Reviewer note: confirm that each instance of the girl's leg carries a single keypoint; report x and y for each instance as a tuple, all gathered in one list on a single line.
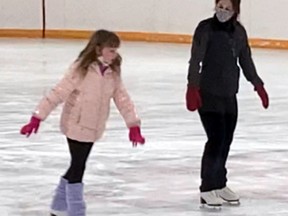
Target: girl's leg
[(79, 154), (74, 190), (59, 203), (70, 186)]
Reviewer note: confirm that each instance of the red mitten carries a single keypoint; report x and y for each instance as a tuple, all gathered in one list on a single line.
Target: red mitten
[(263, 95), (32, 126), (193, 98), (135, 136)]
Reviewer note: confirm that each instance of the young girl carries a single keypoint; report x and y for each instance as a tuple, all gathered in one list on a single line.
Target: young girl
[(91, 82), (218, 44)]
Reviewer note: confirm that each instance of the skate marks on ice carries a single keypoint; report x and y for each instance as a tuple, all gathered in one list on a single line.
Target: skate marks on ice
[(249, 207), (134, 185), (146, 181), (161, 178)]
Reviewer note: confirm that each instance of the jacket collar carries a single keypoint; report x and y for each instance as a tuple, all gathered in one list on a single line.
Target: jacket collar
[(100, 68)]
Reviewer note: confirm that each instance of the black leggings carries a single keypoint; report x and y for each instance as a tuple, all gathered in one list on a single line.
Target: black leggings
[(79, 152), (219, 129)]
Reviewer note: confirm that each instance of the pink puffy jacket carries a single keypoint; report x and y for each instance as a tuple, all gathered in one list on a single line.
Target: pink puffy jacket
[(87, 102)]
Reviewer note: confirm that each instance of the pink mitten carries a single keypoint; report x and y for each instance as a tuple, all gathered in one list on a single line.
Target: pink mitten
[(32, 126), (135, 136)]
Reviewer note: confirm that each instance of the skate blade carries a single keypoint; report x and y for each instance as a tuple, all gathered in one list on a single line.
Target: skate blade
[(232, 203), (51, 214), (211, 208), (57, 213)]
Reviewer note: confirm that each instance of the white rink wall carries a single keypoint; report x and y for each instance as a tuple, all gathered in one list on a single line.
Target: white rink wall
[(261, 17), (20, 14)]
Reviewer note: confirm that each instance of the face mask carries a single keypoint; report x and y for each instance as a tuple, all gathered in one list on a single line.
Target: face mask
[(223, 15)]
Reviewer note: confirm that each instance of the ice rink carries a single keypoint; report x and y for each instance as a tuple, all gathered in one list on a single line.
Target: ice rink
[(160, 178)]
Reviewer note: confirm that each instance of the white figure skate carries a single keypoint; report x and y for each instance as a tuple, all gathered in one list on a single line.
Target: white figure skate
[(228, 196), (211, 200)]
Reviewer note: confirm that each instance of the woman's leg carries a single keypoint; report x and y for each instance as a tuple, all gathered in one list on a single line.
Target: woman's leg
[(214, 125), (230, 125)]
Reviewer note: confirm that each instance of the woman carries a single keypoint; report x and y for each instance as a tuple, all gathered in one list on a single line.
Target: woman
[(219, 43)]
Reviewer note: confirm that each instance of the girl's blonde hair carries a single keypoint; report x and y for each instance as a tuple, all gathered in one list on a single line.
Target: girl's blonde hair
[(99, 39)]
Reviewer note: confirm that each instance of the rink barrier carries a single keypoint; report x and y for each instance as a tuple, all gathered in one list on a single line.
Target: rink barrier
[(25, 33), (132, 36)]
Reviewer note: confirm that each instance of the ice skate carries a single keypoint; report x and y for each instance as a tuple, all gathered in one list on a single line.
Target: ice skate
[(59, 203), (75, 200), (58, 213), (228, 196), (211, 200)]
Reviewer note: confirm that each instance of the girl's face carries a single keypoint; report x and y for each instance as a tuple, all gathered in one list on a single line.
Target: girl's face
[(109, 54)]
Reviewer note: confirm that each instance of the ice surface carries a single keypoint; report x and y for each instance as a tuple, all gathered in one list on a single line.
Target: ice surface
[(160, 178)]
